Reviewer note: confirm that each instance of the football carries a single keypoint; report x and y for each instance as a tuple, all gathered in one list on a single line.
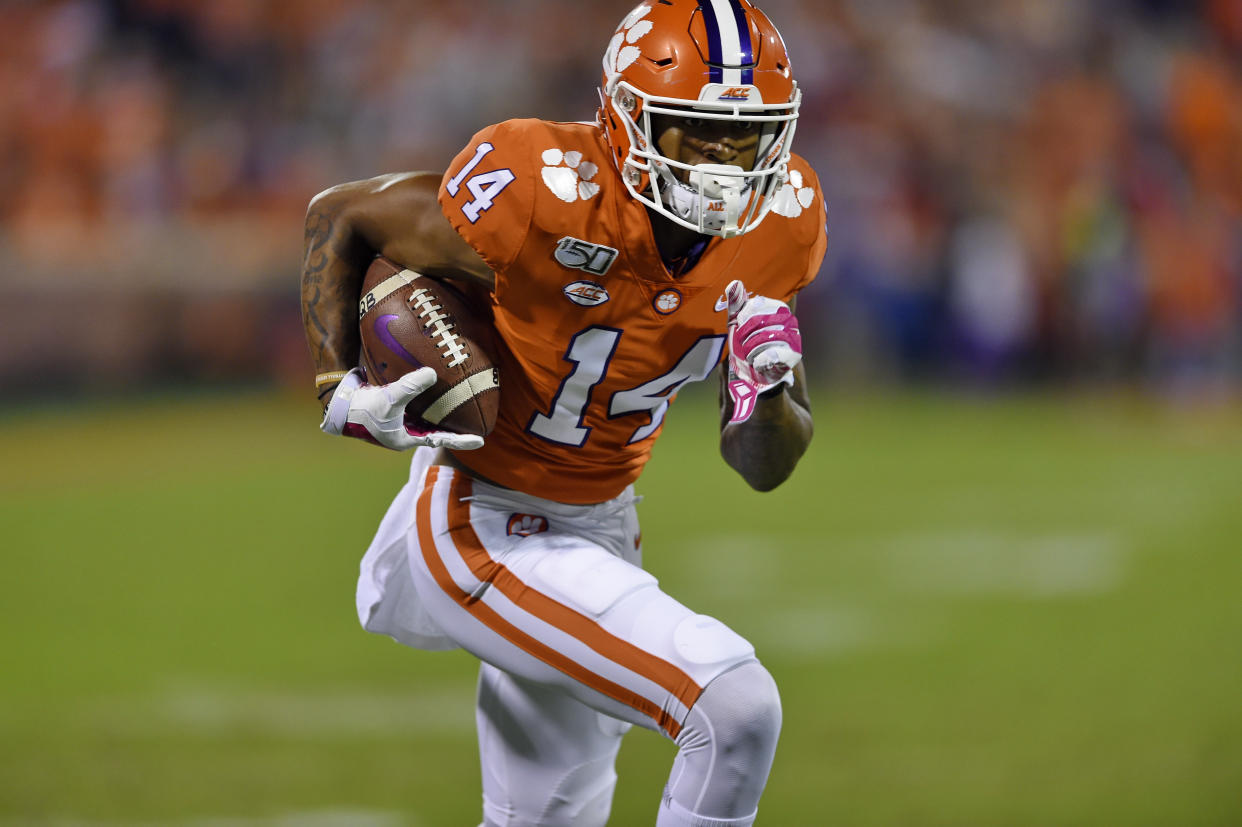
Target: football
[(408, 320)]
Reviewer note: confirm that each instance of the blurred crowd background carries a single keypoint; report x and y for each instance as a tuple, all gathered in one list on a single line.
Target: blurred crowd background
[(1019, 191)]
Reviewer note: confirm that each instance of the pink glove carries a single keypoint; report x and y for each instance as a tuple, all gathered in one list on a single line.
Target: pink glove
[(376, 413), (764, 347)]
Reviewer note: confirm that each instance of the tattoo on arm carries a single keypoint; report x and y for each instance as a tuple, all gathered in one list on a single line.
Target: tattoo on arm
[(318, 231), (332, 268)]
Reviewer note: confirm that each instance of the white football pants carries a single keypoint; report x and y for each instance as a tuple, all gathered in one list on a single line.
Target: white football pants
[(577, 643)]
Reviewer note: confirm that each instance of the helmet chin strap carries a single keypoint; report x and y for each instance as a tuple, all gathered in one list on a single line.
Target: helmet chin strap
[(713, 198)]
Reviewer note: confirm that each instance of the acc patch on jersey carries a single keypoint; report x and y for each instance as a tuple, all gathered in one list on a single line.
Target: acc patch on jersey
[(586, 293)]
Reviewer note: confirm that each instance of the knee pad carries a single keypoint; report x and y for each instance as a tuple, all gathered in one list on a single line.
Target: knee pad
[(738, 710), (726, 747)]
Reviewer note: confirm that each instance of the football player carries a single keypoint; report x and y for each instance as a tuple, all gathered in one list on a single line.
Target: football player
[(622, 258)]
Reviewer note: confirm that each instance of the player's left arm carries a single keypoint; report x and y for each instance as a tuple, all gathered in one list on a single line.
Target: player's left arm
[(765, 448), (766, 423)]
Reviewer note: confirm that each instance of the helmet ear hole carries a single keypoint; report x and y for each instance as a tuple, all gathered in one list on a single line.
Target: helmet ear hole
[(628, 104)]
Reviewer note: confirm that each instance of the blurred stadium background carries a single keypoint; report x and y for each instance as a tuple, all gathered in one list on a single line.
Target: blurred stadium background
[(1018, 190), (1020, 611)]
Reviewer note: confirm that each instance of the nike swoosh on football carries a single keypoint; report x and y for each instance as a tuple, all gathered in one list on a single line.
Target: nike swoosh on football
[(381, 330)]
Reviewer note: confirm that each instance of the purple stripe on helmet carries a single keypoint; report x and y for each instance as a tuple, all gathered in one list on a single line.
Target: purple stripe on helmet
[(381, 330), (743, 39), (714, 56)]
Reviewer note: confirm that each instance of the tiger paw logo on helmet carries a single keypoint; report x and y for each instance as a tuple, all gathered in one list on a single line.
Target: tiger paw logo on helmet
[(793, 198), (621, 51), (568, 176)]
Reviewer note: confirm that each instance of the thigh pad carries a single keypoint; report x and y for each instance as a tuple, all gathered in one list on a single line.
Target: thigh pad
[(575, 572)]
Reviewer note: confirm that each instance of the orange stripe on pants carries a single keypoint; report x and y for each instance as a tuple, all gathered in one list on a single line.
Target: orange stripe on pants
[(488, 570), (573, 623)]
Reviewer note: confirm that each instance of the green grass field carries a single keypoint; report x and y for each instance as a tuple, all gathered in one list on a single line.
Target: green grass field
[(1008, 612)]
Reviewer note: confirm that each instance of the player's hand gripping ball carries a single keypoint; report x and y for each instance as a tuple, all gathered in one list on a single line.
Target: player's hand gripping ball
[(765, 346), (429, 377)]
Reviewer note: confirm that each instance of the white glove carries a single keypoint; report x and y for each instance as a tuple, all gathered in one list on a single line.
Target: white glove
[(765, 346), (376, 413)]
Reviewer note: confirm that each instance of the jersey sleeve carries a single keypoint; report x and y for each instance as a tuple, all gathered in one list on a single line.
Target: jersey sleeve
[(812, 226), (819, 226), (487, 194)]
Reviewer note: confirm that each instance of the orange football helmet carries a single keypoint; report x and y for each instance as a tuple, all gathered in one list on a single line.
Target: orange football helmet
[(709, 59)]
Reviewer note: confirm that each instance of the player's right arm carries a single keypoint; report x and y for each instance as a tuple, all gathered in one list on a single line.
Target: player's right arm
[(394, 215), (399, 217)]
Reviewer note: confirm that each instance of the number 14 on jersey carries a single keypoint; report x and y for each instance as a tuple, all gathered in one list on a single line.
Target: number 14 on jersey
[(590, 352), (483, 186)]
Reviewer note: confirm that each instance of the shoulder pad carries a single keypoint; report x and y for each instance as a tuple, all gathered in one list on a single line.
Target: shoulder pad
[(487, 193)]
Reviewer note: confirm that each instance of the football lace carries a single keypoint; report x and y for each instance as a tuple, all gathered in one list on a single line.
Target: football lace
[(440, 325)]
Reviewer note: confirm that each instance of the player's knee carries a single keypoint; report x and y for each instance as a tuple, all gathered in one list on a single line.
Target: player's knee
[(742, 710)]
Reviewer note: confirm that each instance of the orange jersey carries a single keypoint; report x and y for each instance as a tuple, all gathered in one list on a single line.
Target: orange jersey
[(597, 334)]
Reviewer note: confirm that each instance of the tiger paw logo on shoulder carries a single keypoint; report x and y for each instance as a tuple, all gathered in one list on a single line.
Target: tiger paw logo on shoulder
[(568, 176), (793, 197)]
